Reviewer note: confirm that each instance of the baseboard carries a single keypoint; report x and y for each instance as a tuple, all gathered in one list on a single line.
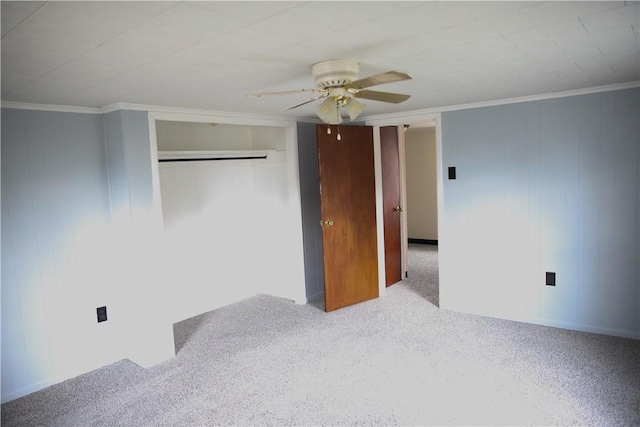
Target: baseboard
[(315, 297), (12, 395), (620, 333), (424, 241), (578, 327)]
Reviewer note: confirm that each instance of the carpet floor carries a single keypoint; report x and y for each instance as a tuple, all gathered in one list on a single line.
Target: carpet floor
[(397, 360)]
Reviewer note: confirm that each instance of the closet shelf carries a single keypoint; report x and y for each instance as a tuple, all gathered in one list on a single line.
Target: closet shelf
[(192, 155)]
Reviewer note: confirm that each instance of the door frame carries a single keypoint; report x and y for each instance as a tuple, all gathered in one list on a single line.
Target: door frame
[(400, 121)]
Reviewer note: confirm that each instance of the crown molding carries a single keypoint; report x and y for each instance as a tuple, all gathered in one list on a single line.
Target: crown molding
[(497, 102), (194, 114), (50, 107), (278, 120)]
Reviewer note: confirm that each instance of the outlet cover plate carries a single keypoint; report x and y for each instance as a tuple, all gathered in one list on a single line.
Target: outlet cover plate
[(102, 314), (452, 172), (550, 278)]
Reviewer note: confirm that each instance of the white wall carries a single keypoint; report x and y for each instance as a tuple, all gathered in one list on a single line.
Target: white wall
[(542, 186), (180, 135), (422, 196), (136, 230), (227, 222)]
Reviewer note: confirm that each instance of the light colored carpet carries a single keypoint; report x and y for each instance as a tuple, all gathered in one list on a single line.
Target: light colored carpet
[(397, 360)]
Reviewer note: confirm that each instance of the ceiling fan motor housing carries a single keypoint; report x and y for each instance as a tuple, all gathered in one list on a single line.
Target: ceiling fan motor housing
[(337, 72)]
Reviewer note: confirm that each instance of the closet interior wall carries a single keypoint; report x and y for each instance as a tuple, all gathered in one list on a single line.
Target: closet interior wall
[(224, 219)]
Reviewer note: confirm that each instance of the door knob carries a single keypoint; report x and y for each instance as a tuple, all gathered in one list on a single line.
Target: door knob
[(327, 223), (397, 209)]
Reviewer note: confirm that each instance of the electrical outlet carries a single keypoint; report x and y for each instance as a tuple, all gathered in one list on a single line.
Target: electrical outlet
[(452, 172), (551, 278), (102, 314)]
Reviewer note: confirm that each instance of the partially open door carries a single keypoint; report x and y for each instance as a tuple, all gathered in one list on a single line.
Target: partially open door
[(391, 207), (348, 206)]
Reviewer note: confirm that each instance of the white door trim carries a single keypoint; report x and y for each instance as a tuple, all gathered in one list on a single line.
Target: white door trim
[(400, 121)]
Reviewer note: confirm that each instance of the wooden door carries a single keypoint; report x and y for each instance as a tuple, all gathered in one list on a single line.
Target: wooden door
[(348, 206), (391, 207)]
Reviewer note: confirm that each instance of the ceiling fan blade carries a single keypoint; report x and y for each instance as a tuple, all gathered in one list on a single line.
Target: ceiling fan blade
[(378, 79), (304, 103), (285, 92), (373, 95)]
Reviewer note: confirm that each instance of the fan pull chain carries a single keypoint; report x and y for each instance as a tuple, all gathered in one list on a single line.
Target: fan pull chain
[(338, 137)]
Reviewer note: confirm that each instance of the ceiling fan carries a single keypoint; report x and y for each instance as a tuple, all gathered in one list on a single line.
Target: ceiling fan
[(336, 82)]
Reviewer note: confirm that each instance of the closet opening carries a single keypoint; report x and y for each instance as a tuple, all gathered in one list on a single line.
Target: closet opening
[(229, 203)]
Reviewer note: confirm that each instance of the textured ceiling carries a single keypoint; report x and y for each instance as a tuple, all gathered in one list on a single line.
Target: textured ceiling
[(209, 55)]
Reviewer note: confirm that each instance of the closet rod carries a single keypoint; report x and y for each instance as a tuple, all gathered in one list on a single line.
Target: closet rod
[(208, 159)]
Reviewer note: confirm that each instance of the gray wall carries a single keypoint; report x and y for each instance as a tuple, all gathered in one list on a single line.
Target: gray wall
[(547, 186), (77, 233), (311, 212), (55, 213), (128, 155)]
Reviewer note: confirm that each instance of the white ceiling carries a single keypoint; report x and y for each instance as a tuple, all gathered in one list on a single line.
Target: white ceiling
[(209, 55)]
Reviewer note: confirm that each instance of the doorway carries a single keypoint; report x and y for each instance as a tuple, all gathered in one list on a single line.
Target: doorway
[(421, 184), (419, 121), (421, 192)]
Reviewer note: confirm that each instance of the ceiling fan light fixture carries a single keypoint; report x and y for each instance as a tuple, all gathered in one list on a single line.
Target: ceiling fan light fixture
[(334, 73), (337, 81), (353, 108), (328, 111)]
